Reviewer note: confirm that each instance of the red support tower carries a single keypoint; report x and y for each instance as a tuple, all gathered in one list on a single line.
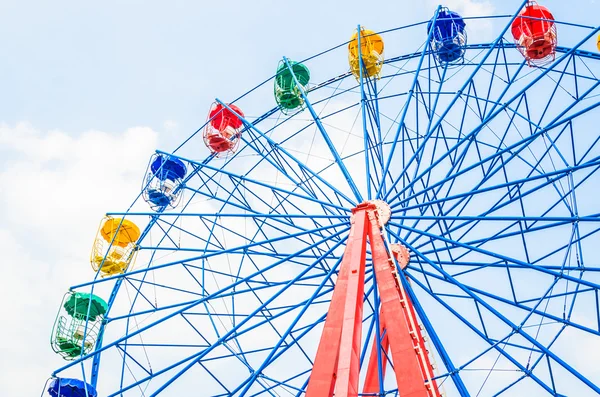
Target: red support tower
[(336, 366)]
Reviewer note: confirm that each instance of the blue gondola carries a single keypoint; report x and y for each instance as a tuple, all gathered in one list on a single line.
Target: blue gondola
[(449, 37), (67, 387), (164, 181)]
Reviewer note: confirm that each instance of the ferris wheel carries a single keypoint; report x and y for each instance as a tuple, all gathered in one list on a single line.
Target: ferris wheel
[(418, 223)]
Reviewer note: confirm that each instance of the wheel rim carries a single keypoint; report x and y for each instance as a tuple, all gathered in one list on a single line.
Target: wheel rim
[(482, 201)]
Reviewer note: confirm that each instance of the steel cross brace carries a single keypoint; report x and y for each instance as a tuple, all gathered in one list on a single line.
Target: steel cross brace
[(337, 363)]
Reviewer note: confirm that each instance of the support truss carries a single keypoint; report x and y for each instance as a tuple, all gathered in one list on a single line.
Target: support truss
[(337, 363)]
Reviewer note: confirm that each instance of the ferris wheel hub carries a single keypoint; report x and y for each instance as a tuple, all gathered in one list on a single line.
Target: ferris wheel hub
[(383, 211), (401, 254)]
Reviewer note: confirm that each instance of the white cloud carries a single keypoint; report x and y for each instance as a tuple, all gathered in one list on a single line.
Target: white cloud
[(54, 182), (55, 188)]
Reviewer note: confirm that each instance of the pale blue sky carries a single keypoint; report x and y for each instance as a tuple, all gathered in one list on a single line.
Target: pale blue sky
[(75, 65)]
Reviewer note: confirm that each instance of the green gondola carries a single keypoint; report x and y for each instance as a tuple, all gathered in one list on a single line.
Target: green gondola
[(77, 324), (287, 94)]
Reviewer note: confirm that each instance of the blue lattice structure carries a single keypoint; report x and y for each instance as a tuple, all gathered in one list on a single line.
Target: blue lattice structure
[(474, 179)]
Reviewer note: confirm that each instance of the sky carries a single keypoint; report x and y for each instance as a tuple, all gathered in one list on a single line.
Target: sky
[(89, 90)]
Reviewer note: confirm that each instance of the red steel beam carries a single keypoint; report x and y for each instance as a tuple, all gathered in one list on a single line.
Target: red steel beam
[(411, 361), (337, 362), (421, 350), (330, 362), (406, 366)]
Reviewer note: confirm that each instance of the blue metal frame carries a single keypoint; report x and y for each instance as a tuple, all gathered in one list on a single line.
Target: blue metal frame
[(490, 169)]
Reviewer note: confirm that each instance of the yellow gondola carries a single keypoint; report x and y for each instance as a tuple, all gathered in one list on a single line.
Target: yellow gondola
[(371, 49), (114, 248)]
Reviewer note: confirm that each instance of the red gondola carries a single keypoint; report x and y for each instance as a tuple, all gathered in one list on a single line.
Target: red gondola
[(534, 32), (222, 134)]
